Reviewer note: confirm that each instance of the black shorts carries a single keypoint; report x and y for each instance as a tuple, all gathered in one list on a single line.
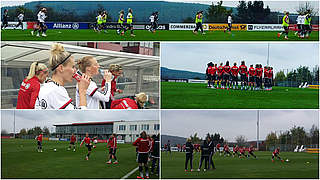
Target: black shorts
[(308, 27), (41, 24), (251, 79), (214, 77), (5, 22), (39, 143), (208, 77), (229, 25), (300, 27), (234, 78), (129, 26), (89, 147), (226, 77), (72, 143), (142, 157), (244, 77), (286, 28), (112, 151)]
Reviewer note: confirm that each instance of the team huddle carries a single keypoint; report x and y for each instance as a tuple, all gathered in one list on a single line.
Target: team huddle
[(227, 77), (147, 150)]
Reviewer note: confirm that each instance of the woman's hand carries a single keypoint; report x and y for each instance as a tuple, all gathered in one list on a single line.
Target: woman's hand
[(107, 76)]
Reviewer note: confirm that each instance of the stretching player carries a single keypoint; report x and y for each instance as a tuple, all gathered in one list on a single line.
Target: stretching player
[(112, 145), (39, 141), (250, 151), (189, 155), (276, 153), (199, 17), (73, 140), (285, 25), (143, 145), (236, 151), (88, 144), (243, 71), (242, 151), (234, 73), (226, 150)]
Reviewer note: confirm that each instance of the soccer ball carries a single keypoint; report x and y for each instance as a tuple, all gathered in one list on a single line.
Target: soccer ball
[(95, 141), (54, 150)]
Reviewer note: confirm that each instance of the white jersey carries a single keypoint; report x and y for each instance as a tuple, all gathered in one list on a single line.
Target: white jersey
[(229, 19), (301, 19), (53, 96), (20, 17), (41, 16), (151, 18), (95, 95)]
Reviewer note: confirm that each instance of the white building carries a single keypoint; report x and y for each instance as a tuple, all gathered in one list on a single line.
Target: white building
[(130, 130)]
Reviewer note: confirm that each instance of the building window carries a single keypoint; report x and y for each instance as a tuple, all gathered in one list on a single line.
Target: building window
[(133, 127), (145, 127), (156, 127), (122, 127)]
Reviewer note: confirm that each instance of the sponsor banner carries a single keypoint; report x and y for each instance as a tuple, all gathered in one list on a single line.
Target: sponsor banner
[(178, 80), (120, 141), (186, 26), (294, 27), (12, 25), (63, 139), (53, 139), (5, 137), (102, 141), (221, 27), (67, 25), (160, 26), (197, 81), (264, 27)]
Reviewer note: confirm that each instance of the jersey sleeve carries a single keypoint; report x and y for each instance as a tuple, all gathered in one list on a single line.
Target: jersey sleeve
[(115, 104), (97, 93), (34, 94), (61, 100)]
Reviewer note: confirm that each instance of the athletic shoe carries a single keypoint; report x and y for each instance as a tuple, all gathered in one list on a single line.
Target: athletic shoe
[(147, 177), (139, 177), (32, 33), (191, 170), (203, 33), (272, 160), (38, 35), (185, 170), (204, 170), (279, 35), (74, 150), (199, 170), (41, 151), (286, 38), (44, 35), (109, 162), (282, 160), (87, 158), (132, 35), (116, 162)]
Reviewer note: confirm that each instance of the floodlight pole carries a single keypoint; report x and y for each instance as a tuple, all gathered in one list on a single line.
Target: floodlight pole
[(268, 54), (14, 123), (258, 129)]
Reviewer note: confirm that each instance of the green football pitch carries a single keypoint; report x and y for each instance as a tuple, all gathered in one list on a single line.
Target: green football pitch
[(143, 35), (300, 165), (178, 95), (19, 159)]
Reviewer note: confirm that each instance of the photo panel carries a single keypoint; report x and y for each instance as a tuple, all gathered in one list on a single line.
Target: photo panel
[(91, 144)]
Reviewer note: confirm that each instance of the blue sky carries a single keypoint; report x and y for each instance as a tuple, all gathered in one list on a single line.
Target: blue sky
[(195, 56)]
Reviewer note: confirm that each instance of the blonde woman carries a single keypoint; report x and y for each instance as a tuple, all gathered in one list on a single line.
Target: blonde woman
[(88, 65), (30, 86), (53, 95), (138, 102), (116, 71)]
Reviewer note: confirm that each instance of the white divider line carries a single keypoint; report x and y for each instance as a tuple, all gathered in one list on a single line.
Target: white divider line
[(131, 172)]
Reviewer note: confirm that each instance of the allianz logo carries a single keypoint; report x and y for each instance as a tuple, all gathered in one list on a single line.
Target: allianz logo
[(66, 26)]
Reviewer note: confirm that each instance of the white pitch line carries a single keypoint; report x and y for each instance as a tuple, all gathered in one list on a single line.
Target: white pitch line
[(131, 172)]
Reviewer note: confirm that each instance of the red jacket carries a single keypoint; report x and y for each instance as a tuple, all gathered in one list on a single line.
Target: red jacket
[(113, 85), (259, 72), (252, 71), (220, 70), (86, 140), (125, 103), (112, 142), (39, 138), (28, 93), (234, 70), (143, 145), (73, 139), (226, 69), (243, 69)]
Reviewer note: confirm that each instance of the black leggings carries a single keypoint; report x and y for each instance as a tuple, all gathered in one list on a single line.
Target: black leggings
[(199, 26), (206, 162), (189, 157)]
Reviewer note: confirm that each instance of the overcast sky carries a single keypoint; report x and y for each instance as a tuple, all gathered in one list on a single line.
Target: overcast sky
[(274, 5), (231, 123), (195, 56), (31, 118)]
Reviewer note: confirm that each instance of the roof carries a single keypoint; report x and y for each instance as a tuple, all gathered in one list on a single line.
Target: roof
[(23, 53), (87, 123)]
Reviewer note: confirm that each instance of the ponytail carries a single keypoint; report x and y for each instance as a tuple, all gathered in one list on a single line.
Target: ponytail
[(35, 69)]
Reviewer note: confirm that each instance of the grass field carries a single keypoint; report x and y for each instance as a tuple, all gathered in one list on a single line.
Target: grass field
[(141, 35), (172, 166), (197, 96), (20, 159)]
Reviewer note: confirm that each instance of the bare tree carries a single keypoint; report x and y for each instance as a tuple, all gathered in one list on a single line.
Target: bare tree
[(303, 7), (241, 140)]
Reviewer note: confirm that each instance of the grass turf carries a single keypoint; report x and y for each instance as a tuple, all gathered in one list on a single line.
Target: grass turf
[(172, 166), (141, 35), (176, 95), (19, 159)]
